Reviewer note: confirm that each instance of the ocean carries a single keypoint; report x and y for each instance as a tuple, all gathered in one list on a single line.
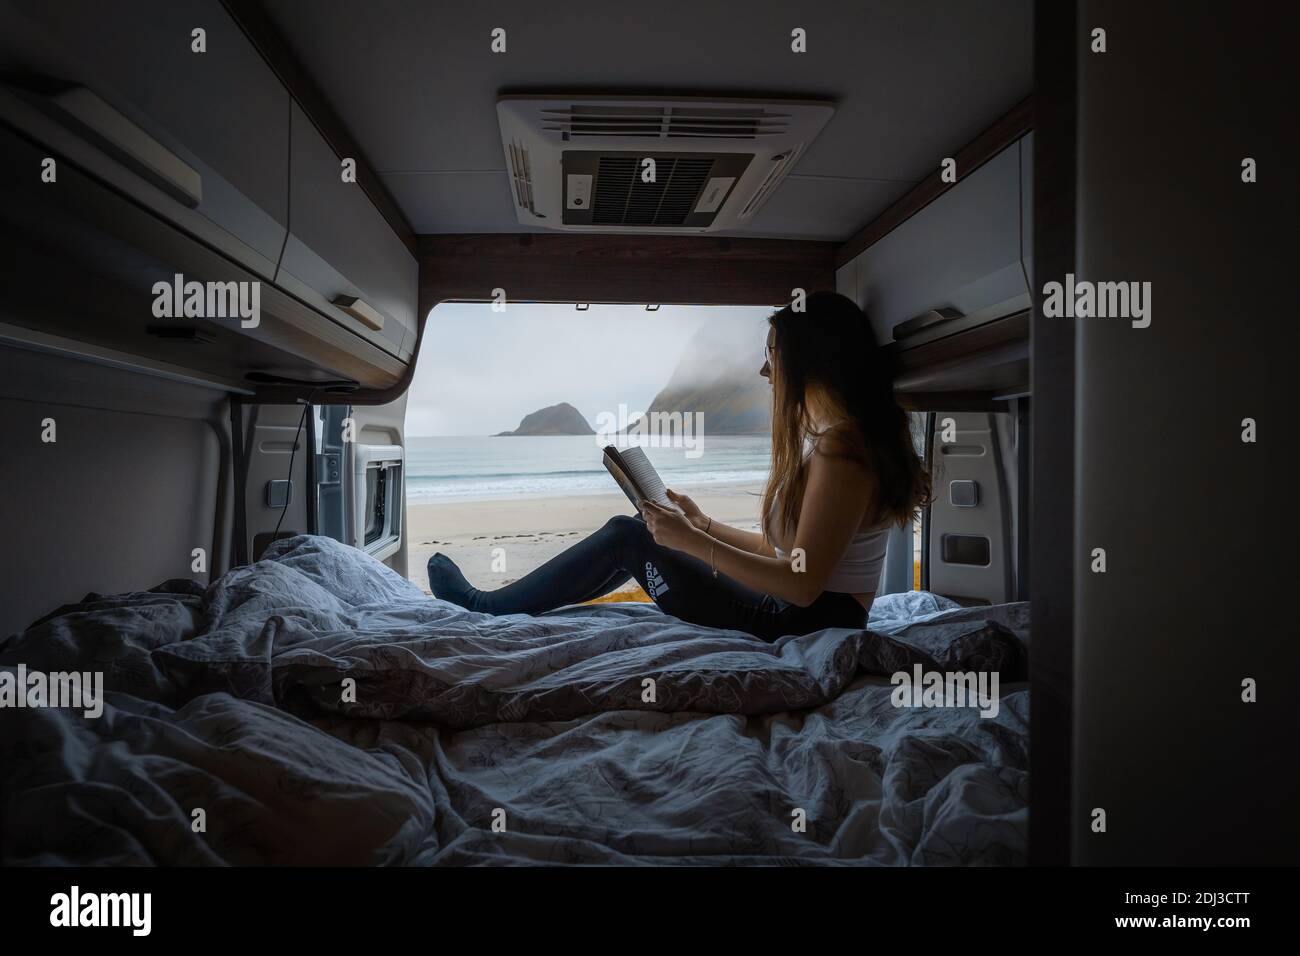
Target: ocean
[(534, 466)]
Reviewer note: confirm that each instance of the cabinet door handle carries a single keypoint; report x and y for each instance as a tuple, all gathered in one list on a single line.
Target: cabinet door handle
[(83, 113), (925, 320), (362, 310)]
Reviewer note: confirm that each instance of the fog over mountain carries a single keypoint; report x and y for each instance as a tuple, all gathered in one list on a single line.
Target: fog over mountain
[(718, 377)]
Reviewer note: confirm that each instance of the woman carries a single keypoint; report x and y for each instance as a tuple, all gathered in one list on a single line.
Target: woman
[(844, 470)]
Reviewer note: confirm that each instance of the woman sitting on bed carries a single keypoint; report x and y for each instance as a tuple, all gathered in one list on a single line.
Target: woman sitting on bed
[(844, 471)]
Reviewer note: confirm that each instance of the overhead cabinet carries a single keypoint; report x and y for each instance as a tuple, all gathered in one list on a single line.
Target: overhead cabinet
[(80, 269), (179, 150), (208, 147), (342, 257), (954, 265)]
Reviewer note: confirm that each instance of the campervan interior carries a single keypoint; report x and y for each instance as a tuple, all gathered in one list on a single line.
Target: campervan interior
[(238, 236)]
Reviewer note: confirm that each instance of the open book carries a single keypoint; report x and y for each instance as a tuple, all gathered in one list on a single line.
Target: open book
[(637, 477)]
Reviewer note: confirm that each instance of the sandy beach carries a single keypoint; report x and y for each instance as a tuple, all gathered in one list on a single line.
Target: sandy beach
[(530, 530)]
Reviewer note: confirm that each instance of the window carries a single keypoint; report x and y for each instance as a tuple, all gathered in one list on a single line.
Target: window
[(509, 412), (376, 496), (378, 522)]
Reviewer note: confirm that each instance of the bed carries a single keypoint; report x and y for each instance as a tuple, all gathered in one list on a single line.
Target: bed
[(316, 708)]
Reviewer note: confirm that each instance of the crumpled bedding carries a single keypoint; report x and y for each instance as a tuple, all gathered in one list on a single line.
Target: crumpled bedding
[(317, 708)]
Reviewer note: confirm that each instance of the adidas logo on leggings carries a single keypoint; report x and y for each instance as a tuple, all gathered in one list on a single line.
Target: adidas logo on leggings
[(654, 581)]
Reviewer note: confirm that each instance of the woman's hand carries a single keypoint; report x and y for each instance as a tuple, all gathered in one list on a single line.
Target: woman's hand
[(690, 509), (669, 529)]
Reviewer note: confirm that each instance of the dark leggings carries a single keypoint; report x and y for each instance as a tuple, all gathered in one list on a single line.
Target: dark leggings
[(679, 584)]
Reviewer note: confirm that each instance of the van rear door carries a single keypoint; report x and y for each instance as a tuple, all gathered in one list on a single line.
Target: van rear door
[(373, 490)]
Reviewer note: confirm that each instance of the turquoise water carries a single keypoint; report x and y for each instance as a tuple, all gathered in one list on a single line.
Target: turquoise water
[(477, 467)]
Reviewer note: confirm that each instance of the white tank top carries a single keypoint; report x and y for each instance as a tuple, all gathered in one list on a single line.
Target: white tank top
[(858, 569)]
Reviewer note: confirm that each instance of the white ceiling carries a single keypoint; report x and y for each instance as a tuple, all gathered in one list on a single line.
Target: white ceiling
[(416, 84)]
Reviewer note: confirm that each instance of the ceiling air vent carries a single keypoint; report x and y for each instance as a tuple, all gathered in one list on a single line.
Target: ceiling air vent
[(650, 164), (774, 175), (664, 122), (519, 177)]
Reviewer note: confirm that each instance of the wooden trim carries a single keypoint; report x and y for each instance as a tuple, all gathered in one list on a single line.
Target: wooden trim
[(588, 267), (961, 345), (992, 359), (667, 270), (251, 17), (970, 157)]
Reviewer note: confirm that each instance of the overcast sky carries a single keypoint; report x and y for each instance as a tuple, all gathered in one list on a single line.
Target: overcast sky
[(480, 372)]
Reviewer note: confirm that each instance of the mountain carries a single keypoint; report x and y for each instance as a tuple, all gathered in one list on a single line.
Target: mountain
[(561, 419), (718, 377)]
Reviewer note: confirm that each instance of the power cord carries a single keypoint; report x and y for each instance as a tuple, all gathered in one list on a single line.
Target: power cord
[(292, 454)]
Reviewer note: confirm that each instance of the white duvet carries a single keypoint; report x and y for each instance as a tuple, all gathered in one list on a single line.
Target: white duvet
[(316, 708)]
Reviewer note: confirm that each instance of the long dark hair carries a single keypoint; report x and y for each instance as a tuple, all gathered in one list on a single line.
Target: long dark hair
[(828, 354)]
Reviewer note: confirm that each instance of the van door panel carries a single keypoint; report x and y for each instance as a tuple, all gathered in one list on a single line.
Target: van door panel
[(375, 427), (274, 444), (970, 545)]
